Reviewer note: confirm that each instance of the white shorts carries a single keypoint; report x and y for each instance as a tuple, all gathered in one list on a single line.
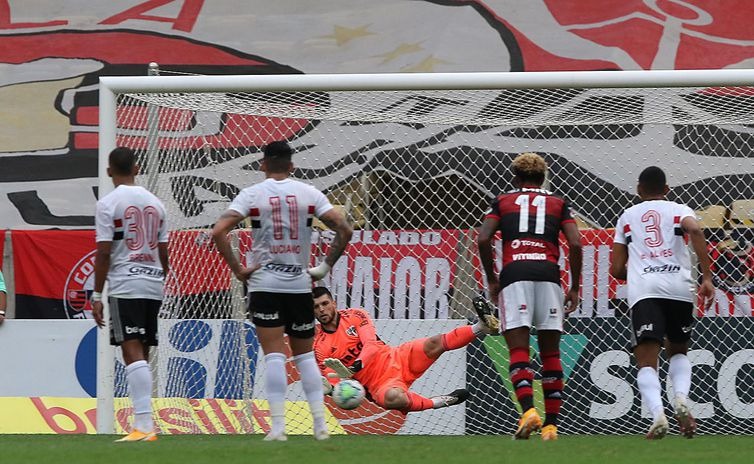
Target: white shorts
[(531, 304)]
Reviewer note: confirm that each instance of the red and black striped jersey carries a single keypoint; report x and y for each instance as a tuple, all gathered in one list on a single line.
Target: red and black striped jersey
[(530, 221)]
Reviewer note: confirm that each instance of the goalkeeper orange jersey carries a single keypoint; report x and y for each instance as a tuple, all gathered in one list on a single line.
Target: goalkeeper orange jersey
[(354, 339)]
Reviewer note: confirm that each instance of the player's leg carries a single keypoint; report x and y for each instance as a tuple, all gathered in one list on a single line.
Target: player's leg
[(300, 329), (134, 328), (680, 318), (548, 319), (647, 333), (265, 312), (461, 336), (516, 305)]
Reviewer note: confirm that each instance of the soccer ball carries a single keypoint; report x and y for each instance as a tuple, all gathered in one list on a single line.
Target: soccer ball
[(348, 394)]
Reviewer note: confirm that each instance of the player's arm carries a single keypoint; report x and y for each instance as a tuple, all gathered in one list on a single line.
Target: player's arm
[(105, 232), (699, 243), (484, 242), (3, 298), (575, 258), (227, 222), (162, 245), (101, 269), (343, 231), (619, 261), (365, 328)]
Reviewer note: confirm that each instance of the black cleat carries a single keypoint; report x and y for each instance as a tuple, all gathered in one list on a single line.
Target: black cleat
[(451, 399), (486, 313)]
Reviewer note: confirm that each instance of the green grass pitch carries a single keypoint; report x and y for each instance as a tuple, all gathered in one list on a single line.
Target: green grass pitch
[(232, 449)]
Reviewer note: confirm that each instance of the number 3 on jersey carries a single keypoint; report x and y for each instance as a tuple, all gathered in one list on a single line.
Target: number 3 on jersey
[(277, 217), (654, 234), (539, 202)]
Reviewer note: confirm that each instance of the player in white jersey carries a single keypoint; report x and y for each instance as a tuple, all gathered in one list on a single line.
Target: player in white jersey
[(132, 255), (651, 254), (281, 210)]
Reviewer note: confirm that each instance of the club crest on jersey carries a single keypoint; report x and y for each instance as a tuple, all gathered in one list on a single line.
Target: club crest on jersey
[(351, 331), (79, 287)]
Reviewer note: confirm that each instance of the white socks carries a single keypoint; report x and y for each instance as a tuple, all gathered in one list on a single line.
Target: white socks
[(649, 387), (479, 328), (311, 381), (679, 372), (140, 385), (276, 383)]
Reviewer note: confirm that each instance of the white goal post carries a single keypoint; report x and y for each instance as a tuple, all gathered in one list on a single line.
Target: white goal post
[(413, 160)]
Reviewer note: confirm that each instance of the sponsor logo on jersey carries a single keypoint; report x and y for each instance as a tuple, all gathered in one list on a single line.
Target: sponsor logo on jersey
[(79, 287), (553, 311), (136, 271), (529, 256), (528, 243), (267, 317), (665, 268), (284, 268), (302, 327), (522, 308)]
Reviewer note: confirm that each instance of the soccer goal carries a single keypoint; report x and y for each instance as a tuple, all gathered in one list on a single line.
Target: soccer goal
[(413, 160)]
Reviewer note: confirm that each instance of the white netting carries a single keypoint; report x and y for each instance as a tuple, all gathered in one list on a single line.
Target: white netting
[(414, 171)]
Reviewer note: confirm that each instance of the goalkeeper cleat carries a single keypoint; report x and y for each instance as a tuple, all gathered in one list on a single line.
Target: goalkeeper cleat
[(451, 399), (529, 423), (138, 435), (276, 437), (550, 432), (686, 421), (486, 313), (659, 429)]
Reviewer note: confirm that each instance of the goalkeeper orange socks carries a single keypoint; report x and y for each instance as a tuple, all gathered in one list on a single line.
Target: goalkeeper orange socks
[(522, 377), (458, 337), (417, 402), (552, 386)]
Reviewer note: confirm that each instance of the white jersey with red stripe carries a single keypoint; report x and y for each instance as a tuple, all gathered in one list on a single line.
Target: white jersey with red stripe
[(659, 264), (281, 213), (134, 220)]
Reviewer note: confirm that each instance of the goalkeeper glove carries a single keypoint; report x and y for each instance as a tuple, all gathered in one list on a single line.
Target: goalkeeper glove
[(326, 386), (320, 271)]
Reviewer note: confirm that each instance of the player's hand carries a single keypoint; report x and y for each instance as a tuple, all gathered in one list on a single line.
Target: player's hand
[(318, 272), (707, 291), (571, 301), (98, 313), (243, 273), (326, 386)]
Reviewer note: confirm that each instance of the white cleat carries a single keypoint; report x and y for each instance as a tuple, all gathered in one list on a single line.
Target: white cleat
[(321, 435), (276, 437), (659, 428), (686, 422)]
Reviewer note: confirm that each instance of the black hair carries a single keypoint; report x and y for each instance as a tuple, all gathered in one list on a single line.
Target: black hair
[(652, 180), (320, 291), (122, 161), (277, 156)]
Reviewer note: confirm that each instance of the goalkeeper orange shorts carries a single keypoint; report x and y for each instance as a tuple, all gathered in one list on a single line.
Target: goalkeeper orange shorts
[(398, 367)]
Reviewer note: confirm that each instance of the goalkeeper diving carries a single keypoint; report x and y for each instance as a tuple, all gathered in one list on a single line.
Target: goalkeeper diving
[(387, 372)]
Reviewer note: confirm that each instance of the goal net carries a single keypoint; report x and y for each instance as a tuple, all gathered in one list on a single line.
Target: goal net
[(413, 161)]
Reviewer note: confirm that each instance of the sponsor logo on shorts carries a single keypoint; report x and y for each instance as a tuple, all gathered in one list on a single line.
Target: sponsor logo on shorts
[(302, 327), (294, 269), (528, 243), (529, 257), (134, 330), (644, 328), (351, 331), (267, 317), (686, 329), (665, 268)]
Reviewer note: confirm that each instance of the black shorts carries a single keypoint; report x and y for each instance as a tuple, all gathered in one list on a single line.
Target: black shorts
[(657, 318), (133, 319), (294, 311)]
